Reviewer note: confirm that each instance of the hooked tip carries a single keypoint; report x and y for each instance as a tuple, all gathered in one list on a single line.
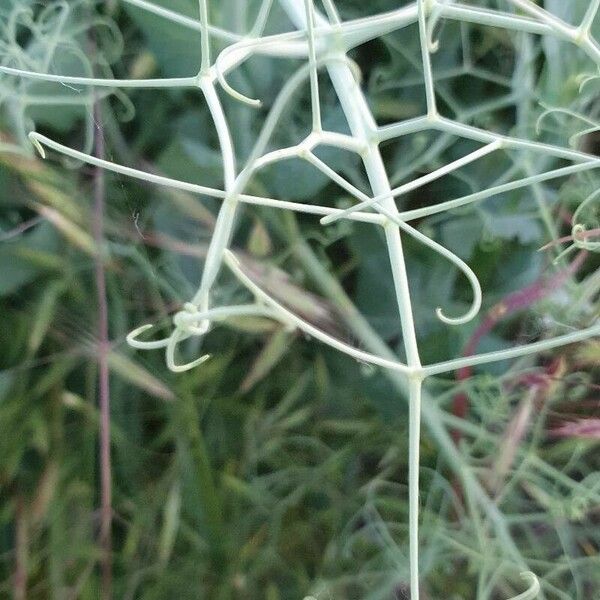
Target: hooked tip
[(439, 312), (36, 144), (187, 366), (132, 335)]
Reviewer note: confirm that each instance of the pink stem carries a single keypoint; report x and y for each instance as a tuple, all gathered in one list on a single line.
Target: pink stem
[(511, 304), (103, 374)]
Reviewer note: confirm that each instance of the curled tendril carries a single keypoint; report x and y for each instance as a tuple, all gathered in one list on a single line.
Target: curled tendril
[(580, 228), (456, 261), (55, 29), (190, 322), (177, 336), (573, 139), (432, 22), (534, 588), (594, 126), (128, 108), (220, 70), (585, 79), (36, 144)]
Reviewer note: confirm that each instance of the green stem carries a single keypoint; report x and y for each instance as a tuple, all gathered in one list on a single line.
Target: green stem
[(430, 413), (414, 437)]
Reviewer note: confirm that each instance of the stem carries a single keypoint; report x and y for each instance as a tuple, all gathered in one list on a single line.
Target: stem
[(364, 128), (544, 16), (431, 414), (590, 15), (205, 38), (103, 369), (174, 82), (524, 350), (414, 436), (182, 20), (426, 58)]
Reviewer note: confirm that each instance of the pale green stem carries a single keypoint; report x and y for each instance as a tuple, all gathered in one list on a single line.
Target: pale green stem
[(489, 357), (205, 38), (261, 18), (481, 135), (102, 82), (225, 220), (431, 414), (314, 76), (419, 182), (493, 18), (414, 437), (426, 58), (40, 140), (294, 321), (419, 213), (180, 19), (545, 17), (444, 252), (363, 127)]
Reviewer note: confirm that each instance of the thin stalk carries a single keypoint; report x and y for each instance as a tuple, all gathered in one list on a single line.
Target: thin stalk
[(103, 367), (363, 127), (524, 350), (432, 416), (174, 82), (590, 16), (419, 181), (205, 38), (314, 76), (493, 18), (414, 437), (545, 17), (180, 19), (426, 58), (103, 350), (419, 213)]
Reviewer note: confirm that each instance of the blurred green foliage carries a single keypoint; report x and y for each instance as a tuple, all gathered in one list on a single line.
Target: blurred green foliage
[(277, 468)]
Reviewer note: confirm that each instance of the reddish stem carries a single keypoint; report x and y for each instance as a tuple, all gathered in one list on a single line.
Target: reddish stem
[(103, 369), (511, 304), (581, 236)]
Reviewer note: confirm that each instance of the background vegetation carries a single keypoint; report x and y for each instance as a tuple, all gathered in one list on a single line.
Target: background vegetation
[(278, 467)]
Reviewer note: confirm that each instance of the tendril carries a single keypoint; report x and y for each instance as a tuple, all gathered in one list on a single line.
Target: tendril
[(455, 260)]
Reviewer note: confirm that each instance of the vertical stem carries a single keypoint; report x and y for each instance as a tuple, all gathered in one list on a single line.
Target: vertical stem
[(414, 436), (432, 415), (103, 372), (427, 73), (205, 37), (364, 128), (227, 213)]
